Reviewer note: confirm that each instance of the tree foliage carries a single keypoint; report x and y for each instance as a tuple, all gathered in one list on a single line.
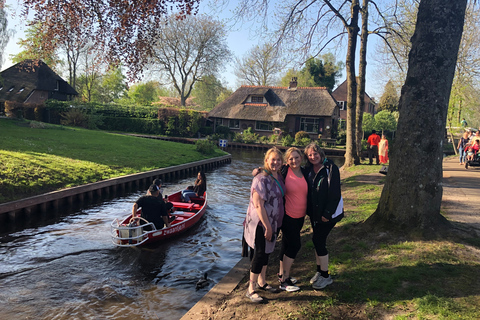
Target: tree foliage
[(259, 66), (126, 30), (208, 91), (145, 93), (188, 50), (389, 99), (33, 48)]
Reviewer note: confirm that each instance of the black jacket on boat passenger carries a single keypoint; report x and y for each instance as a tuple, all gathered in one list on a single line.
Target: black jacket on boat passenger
[(153, 210)]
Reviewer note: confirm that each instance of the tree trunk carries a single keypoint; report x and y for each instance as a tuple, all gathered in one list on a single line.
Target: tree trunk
[(412, 195), (351, 157), (362, 72)]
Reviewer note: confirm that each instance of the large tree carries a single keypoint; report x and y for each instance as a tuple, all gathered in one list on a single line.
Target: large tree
[(4, 36), (207, 92), (259, 66), (412, 194), (126, 29), (189, 49), (389, 99)]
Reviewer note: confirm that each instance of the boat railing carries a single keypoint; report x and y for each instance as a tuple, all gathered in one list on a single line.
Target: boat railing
[(129, 235)]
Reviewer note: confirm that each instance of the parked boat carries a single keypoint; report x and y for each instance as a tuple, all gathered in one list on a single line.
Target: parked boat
[(130, 233)]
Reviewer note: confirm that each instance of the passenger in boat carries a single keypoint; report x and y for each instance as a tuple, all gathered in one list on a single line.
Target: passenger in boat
[(198, 189), (472, 149), (158, 183), (263, 219), (153, 208), (325, 207)]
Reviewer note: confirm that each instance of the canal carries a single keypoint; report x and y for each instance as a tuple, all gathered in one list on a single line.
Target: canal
[(71, 269)]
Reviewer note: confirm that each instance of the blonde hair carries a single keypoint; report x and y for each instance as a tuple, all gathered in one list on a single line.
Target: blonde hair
[(267, 155), (289, 152)]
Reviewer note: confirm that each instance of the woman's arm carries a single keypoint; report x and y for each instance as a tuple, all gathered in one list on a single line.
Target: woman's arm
[(259, 204)]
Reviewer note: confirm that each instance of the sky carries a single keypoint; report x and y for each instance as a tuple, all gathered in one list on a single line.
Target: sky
[(241, 38)]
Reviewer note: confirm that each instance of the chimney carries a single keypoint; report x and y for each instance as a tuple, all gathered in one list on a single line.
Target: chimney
[(293, 84)]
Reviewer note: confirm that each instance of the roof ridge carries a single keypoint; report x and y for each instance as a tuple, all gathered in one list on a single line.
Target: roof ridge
[(278, 87)]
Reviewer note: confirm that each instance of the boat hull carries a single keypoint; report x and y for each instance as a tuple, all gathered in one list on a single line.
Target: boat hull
[(127, 234)]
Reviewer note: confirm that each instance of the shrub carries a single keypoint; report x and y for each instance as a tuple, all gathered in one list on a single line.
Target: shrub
[(238, 137), (301, 135), (342, 137), (265, 140), (74, 117), (205, 147), (214, 137), (223, 131), (274, 138), (287, 141), (249, 136), (303, 142), (205, 131)]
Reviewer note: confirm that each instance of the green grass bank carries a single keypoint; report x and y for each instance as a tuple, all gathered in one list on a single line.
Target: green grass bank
[(37, 158)]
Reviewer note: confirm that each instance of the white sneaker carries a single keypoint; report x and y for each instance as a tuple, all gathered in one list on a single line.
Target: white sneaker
[(315, 277), (322, 282), (288, 286)]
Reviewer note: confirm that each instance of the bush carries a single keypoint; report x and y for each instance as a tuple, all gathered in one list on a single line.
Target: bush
[(205, 131), (74, 117), (223, 131), (238, 137), (265, 140), (303, 142), (287, 141), (274, 138), (301, 135), (205, 147), (342, 137), (249, 136)]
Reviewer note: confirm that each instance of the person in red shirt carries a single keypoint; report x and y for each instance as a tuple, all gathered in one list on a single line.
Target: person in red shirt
[(373, 141)]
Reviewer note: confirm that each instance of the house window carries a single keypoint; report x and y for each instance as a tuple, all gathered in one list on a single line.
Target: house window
[(234, 124), (264, 125), (58, 86), (218, 122), (11, 89), (343, 105), (310, 124), (21, 90), (257, 99)]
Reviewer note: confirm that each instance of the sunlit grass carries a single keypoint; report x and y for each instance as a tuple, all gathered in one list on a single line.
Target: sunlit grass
[(44, 158)]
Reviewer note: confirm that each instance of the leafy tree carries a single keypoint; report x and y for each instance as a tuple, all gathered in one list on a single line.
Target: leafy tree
[(385, 121), (33, 47), (145, 93), (4, 35), (126, 30), (189, 49), (207, 91), (368, 122), (259, 66), (389, 99), (317, 72), (412, 194), (111, 87)]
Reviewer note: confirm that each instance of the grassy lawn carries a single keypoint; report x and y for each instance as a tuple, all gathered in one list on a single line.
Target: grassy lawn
[(377, 274), (38, 158)]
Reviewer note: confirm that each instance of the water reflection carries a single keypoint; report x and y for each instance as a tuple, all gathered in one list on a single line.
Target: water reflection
[(71, 270)]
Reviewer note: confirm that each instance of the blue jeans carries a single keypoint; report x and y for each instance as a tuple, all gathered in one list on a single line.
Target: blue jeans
[(187, 194), (462, 154)]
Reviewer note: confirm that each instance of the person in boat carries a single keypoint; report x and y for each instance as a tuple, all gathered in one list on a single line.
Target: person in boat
[(198, 189), (153, 208), (263, 219), (158, 183), (325, 207)]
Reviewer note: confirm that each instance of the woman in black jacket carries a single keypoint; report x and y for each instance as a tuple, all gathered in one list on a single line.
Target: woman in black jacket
[(325, 207)]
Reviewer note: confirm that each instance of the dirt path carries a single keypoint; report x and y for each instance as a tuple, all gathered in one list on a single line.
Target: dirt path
[(461, 190)]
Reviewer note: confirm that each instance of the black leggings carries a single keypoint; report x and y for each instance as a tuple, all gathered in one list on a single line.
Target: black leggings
[(320, 234), (258, 256), (291, 243)]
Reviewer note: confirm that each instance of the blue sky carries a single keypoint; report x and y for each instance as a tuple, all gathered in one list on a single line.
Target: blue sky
[(241, 38)]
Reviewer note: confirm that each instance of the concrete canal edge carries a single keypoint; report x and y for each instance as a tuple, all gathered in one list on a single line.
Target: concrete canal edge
[(24, 213), (203, 308)]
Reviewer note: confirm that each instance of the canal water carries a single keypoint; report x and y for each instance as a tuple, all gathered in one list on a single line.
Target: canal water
[(71, 269)]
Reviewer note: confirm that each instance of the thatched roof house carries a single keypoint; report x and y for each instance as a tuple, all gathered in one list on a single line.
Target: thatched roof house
[(32, 81), (291, 109)]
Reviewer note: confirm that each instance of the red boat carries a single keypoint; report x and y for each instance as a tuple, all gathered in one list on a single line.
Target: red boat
[(130, 233)]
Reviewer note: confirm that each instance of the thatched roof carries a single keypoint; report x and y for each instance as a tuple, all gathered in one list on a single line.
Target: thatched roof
[(20, 80), (281, 101)]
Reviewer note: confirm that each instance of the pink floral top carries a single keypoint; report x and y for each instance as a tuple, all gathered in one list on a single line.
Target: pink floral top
[(269, 191)]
